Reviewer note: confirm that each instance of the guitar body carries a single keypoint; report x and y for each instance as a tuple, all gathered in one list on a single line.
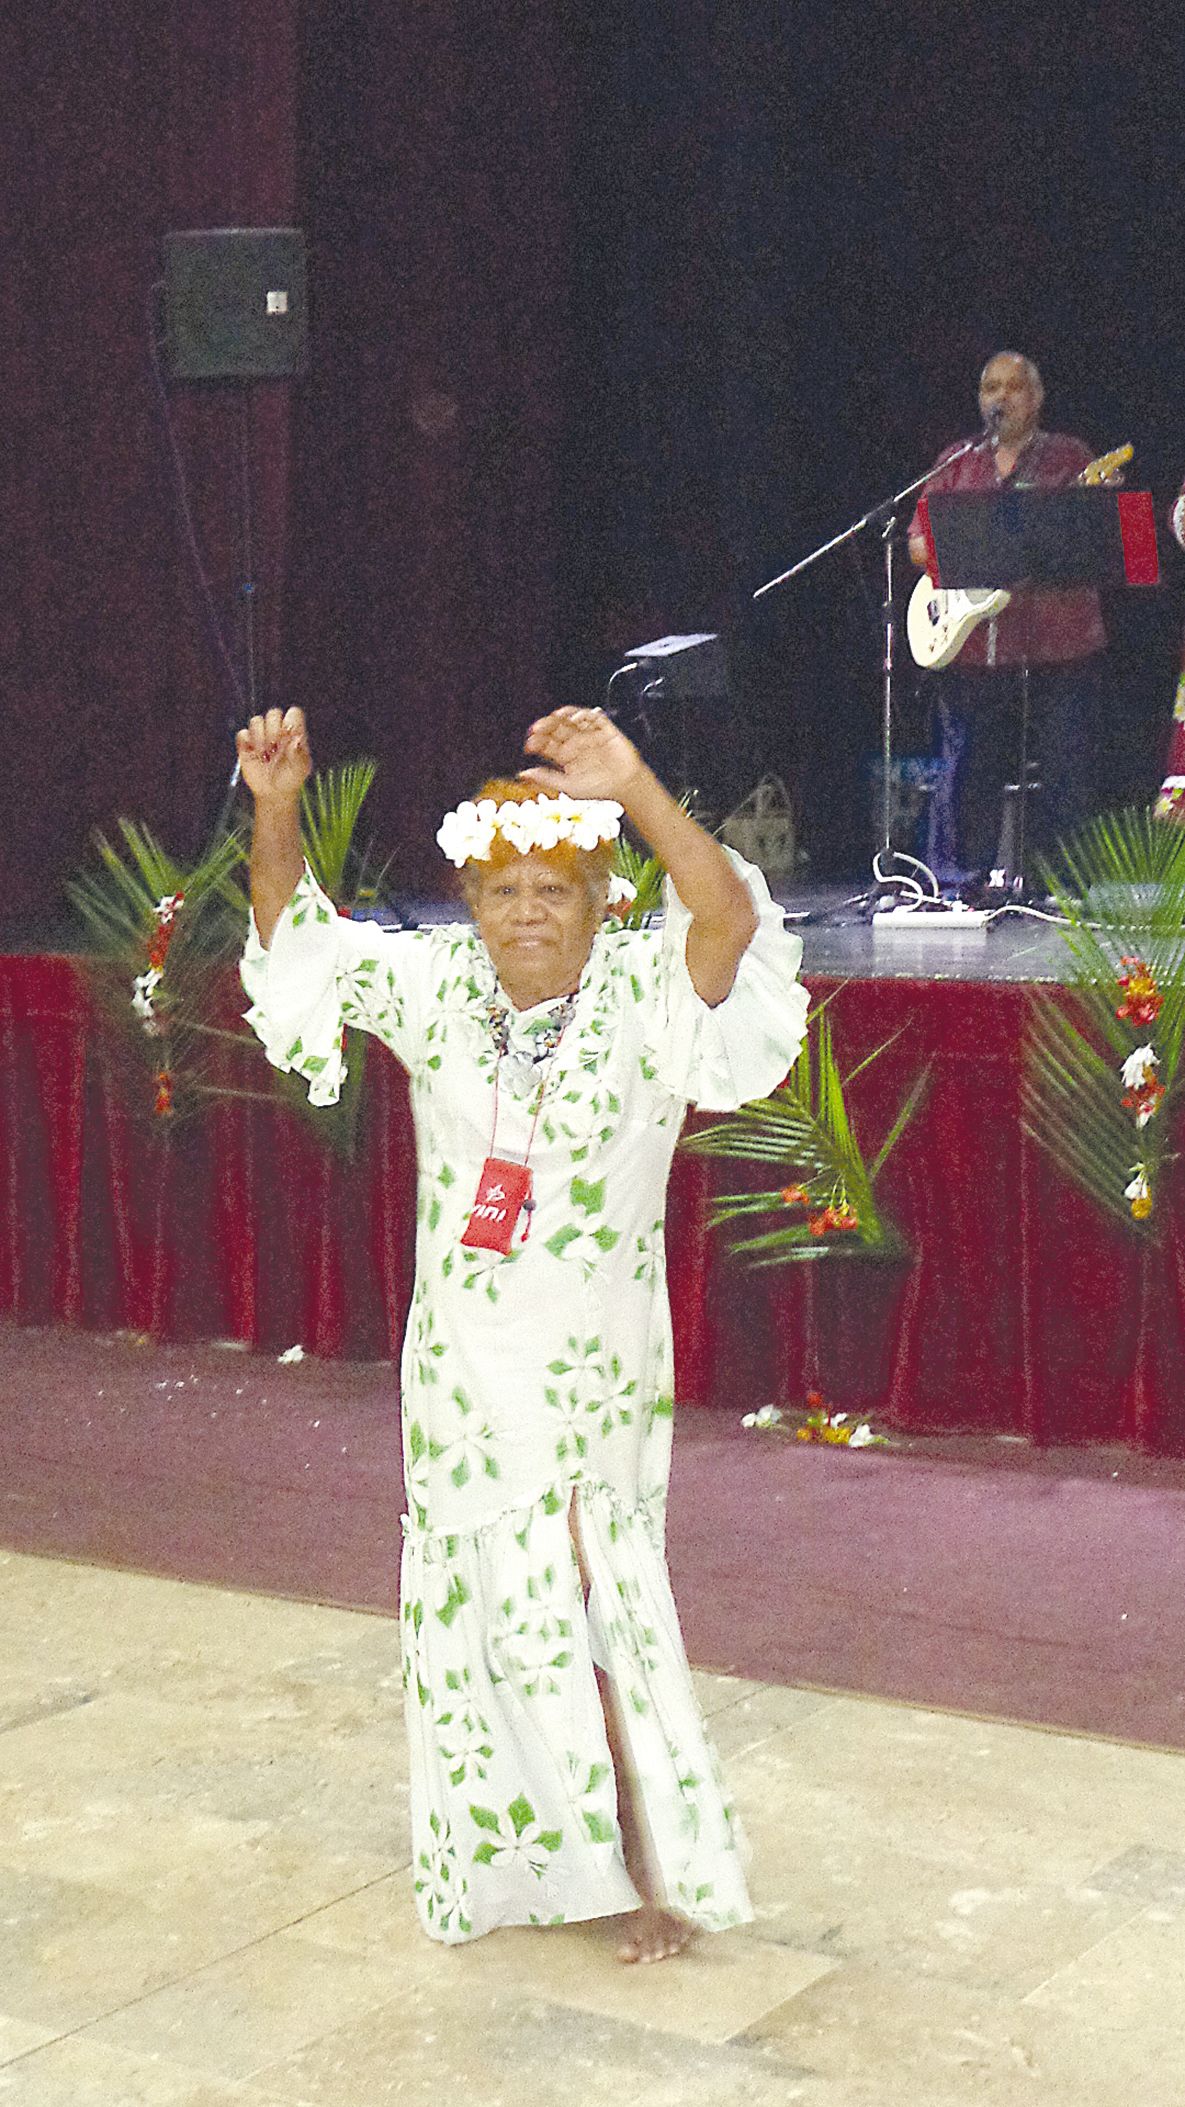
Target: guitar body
[(938, 624)]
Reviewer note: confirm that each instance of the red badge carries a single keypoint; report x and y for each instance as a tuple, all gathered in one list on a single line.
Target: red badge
[(503, 1190)]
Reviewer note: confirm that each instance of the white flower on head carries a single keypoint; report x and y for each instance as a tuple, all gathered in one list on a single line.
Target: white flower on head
[(467, 835), (593, 822), (543, 821), (1139, 1066), (516, 824)]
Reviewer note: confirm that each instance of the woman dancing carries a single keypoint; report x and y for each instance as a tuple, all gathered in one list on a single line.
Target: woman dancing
[(559, 1766)]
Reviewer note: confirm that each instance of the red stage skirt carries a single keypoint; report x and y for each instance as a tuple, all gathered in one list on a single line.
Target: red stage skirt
[(1021, 1310)]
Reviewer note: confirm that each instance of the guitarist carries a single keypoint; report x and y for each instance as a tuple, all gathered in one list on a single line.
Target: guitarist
[(1059, 635)]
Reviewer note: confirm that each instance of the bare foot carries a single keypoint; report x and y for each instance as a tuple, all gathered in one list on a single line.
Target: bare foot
[(654, 1934), (651, 1932)]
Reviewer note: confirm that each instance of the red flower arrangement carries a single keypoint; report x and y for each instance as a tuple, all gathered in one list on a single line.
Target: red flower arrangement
[(1145, 1100), (824, 1219), (1142, 1000)]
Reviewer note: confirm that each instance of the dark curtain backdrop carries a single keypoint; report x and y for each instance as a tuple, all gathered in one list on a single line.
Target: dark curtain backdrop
[(616, 310), (119, 123), (803, 231), (434, 180)]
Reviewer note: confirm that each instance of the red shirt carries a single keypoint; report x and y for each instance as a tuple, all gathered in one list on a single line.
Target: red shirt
[(1044, 628)]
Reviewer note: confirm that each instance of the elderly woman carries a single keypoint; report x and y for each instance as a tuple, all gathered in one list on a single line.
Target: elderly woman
[(559, 1766)]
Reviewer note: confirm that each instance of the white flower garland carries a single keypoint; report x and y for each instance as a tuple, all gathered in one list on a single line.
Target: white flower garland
[(145, 985), (467, 835)]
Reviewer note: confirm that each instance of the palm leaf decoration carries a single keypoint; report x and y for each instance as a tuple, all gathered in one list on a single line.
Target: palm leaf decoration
[(117, 903), (1121, 893), (805, 1130), (331, 803), (646, 875), (198, 1044), (331, 806)]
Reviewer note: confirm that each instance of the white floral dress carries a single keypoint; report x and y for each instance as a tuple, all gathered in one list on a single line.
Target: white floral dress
[(540, 1380)]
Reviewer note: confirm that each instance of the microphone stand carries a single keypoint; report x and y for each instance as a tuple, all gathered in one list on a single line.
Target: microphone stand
[(883, 516)]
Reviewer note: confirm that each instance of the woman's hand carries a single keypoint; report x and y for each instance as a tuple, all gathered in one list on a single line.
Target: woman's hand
[(275, 762), (274, 755), (587, 755)]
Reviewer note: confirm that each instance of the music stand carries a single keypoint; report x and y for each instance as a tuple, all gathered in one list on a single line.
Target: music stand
[(684, 670), (1087, 535)]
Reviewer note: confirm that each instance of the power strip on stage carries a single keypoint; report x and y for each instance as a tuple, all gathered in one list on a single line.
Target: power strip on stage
[(949, 920)]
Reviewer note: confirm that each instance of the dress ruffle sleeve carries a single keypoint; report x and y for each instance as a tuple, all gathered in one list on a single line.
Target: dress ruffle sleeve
[(718, 1058), (321, 973)]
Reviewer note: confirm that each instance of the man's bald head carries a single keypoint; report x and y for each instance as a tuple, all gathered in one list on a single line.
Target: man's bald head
[(1010, 396), (1013, 359)]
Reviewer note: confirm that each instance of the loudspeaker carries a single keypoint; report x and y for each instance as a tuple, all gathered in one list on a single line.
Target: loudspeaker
[(236, 305)]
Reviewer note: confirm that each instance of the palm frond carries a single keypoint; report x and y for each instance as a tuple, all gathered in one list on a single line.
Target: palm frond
[(804, 1130), (646, 874), (1130, 851), (196, 1036), (331, 803), (905, 1112), (117, 903), (1121, 891)]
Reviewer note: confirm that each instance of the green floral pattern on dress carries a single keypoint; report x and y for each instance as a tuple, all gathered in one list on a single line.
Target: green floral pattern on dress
[(534, 1382)]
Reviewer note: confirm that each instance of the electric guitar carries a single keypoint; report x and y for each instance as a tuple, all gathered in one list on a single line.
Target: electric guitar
[(938, 623)]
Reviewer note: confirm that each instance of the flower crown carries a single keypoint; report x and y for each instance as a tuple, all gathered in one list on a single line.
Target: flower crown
[(467, 835)]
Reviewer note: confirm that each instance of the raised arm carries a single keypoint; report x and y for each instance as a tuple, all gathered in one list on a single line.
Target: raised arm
[(586, 755), (275, 762)]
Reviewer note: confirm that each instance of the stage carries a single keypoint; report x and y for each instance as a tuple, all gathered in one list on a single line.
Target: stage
[(838, 941), (1020, 1311)]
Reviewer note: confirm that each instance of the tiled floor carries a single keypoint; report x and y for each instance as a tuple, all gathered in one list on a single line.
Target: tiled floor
[(204, 1896)]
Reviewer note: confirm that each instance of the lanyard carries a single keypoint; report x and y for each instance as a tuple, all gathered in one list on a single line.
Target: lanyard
[(505, 1192), (540, 1094)]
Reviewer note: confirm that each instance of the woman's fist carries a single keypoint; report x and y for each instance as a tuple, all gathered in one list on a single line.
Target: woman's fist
[(274, 754)]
